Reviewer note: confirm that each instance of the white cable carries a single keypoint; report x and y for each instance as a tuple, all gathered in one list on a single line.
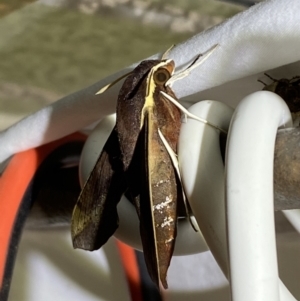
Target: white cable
[(249, 194)]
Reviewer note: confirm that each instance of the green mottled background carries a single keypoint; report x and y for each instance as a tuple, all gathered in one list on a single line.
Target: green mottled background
[(48, 51)]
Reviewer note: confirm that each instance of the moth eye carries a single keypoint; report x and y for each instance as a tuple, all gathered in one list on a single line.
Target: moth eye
[(161, 76)]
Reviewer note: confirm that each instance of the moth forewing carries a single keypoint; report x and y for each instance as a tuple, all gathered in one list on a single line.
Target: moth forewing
[(158, 204), (95, 217), (163, 194)]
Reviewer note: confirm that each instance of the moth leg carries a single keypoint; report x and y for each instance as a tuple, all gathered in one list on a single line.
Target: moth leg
[(270, 77), (200, 58), (187, 113), (260, 81), (175, 163)]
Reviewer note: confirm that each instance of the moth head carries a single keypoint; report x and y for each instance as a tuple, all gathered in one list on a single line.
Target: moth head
[(162, 74)]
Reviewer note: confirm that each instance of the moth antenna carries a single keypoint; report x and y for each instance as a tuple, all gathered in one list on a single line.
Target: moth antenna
[(166, 53), (188, 114), (200, 58), (260, 81), (270, 77), (176, 166), (295, 79), (112, 83)]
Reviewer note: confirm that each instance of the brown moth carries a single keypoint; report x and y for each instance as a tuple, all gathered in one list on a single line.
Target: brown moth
[(288, 90), (138, 159)]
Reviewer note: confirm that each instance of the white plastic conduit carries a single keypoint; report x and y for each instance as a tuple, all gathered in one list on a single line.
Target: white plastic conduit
[(249, 195)]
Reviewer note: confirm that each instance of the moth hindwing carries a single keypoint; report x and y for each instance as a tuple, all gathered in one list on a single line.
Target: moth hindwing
[(135, 160)]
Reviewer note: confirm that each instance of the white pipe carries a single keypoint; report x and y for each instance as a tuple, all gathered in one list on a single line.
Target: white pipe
[(249, 194)]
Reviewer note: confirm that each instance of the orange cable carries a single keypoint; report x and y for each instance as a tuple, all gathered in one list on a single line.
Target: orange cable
[(13, 184), (131, 270)]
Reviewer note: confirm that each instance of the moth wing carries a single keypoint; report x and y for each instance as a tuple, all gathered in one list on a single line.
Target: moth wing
[(158, 204), (95, 216)]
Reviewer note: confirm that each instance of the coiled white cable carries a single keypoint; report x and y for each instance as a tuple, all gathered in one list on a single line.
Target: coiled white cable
[(203, 175), (249, 193)]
